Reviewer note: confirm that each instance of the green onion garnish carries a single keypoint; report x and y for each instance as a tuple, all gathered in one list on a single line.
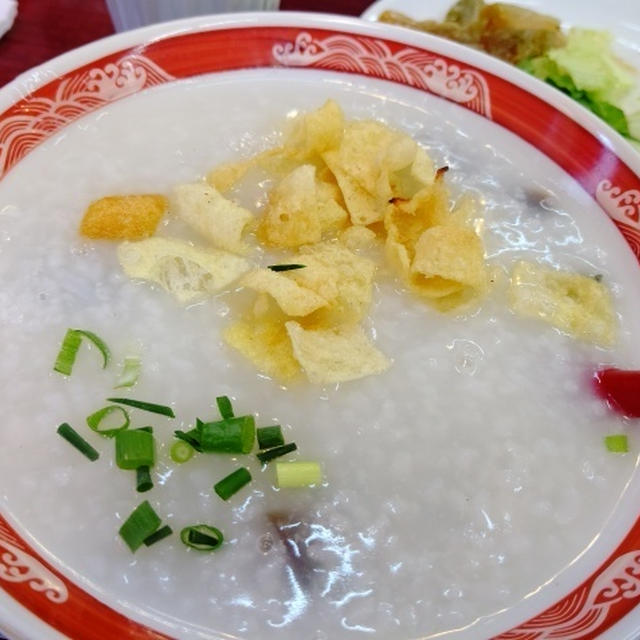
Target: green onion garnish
[(297, 474), (69, 350), (276, 452), (202, 537), (617, 443), (142, 522), (190, 437), (160, 534), (269, 437), (147, 429), (96, 419), (181, 451), (130, 372), (232, 483), (233, 435), (67, 354), (76, 440), (224, 406), (285, 267), (143, 479), (145, 406), (134, 448)]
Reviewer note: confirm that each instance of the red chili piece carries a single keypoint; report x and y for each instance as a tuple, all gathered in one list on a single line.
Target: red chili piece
[(621, 389)]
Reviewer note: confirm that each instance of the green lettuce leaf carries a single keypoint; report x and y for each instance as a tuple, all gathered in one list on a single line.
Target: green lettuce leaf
[(587, 71)]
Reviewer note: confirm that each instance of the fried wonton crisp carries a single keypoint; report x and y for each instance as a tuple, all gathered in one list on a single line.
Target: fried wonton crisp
[(293, 299), (340, 277), (316, 132), (292, 217), (447, 260), (185, 271), (213, 216), (335, 355), (575, 304), (123, 217), (264, 341)]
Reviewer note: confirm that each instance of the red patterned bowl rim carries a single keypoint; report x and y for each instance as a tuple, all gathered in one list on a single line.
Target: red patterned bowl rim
[(40, 103)]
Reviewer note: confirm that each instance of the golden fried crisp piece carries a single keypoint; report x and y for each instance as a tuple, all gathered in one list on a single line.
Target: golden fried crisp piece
[(332, 216), (123, 217), (406, 220), (264, 340), (292, 298), (357, 237), (335, 355), (302, 208), (316, 132), (339, 276), (186, 272), (447, 260), (292, 217), (213, 216), (575, 304), (225, 176)]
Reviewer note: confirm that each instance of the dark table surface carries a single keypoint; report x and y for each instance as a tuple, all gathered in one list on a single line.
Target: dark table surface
[(46, 28)]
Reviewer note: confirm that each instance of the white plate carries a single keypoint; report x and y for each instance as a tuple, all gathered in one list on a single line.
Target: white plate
[(62, 110), (622, 19)]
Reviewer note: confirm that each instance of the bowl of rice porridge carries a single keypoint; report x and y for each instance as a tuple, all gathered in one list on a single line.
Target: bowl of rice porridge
[(409, 269)]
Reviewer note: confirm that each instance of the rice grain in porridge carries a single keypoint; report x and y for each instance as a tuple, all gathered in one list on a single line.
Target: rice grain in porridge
[(457, 482)]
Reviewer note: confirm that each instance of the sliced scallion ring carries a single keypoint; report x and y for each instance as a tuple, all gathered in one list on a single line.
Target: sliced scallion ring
[(276, 452), (130, 372), (202, 537), (76, 440), (143, 479), (142, 522), (96, 420), (161, 409), (617, 443), (69, 350), (181, 451), (224, 406), (160, 534), (269, 436), (232, 483)]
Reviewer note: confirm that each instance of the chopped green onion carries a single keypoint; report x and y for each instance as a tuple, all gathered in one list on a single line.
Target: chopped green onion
[(224, 406), (202, 537), (142, 522), (143, 479), (147, 429), (134, 448), (297, 474), (96, 419), (190, 437), (232, 483), (130, 372), (145, 406), (233, 435), (76, 440), (69, 350), (285, 267), (276, 452), (269, 437), (160, 534), (181, 451), (99, 343), (617, 443)]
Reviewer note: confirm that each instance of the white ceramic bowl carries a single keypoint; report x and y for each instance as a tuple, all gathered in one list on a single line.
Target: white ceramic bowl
[(44, 595)]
